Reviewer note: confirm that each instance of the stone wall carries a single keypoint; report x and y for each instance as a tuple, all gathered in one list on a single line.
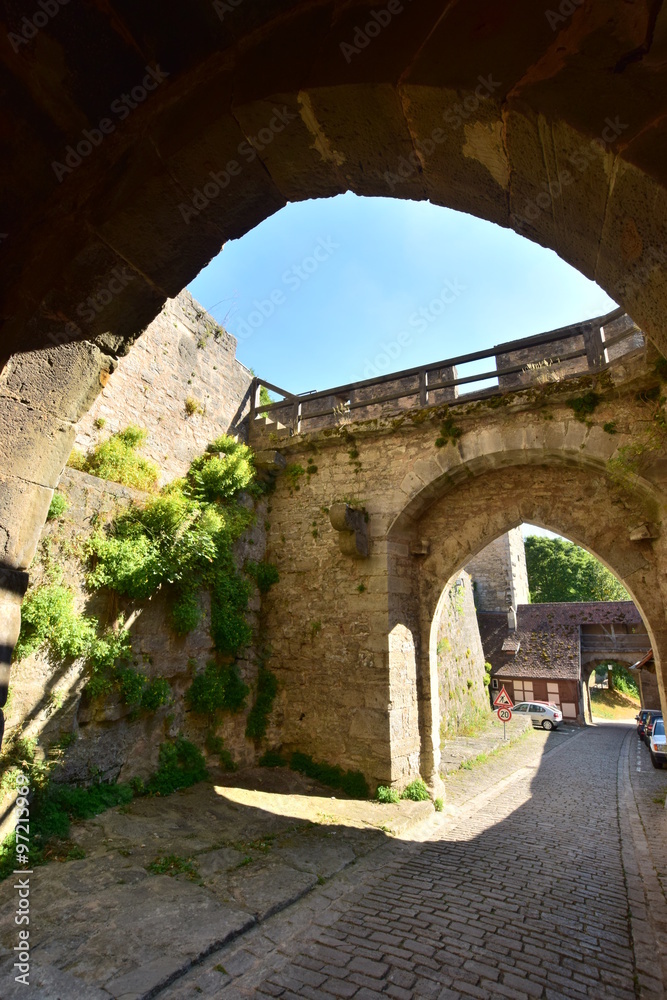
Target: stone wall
[(48, 699), (350, 632), (499, 573), (648, 686), (460, 657), (182, 356)]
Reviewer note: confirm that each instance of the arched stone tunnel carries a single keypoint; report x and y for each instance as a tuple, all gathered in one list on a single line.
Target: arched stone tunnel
[(139, 139)]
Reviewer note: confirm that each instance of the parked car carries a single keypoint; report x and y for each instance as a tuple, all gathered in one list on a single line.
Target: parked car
[(640, 719), (541, 713), (658, 744), (649, 722)]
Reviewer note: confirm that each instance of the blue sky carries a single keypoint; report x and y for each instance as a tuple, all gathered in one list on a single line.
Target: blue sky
[(319, 293), (348, 275)]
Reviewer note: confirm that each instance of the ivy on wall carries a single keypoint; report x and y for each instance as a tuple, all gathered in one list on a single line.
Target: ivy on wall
[(181, 539)]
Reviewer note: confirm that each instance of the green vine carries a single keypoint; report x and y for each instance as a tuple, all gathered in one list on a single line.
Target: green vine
[(584, 405), (258, 717), (449, 431)]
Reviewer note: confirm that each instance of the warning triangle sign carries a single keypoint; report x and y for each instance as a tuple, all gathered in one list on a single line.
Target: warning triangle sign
[(503, 699)]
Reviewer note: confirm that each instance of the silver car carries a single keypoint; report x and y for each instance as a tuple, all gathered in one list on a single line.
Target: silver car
[(658, 744), (541, 713)]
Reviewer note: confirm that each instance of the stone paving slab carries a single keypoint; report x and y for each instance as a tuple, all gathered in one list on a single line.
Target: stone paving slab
[(518, 895), (258, 842)]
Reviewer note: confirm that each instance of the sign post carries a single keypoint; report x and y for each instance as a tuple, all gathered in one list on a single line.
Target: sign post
[(504, 704)]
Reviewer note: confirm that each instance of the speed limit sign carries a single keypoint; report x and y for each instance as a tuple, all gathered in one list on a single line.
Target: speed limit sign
[(504, 714)]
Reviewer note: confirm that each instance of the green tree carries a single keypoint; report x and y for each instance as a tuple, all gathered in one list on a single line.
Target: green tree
[(560, 571)]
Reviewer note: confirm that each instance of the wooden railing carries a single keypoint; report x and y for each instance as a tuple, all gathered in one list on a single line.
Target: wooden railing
[(620, 642), (548, 357)]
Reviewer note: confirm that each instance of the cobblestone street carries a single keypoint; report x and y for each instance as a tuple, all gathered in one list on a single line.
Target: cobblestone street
[(527, 890)]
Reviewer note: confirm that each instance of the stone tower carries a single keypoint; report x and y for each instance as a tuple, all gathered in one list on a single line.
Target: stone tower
[(499, 573)]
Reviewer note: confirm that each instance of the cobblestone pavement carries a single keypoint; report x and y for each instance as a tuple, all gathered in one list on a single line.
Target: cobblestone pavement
[(521, 894)]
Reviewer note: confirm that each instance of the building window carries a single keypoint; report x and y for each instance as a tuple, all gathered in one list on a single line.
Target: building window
[(553, 694), (523, 691)]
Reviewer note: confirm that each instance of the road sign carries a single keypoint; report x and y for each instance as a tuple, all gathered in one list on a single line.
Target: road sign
[(504, 714), (503, 700)]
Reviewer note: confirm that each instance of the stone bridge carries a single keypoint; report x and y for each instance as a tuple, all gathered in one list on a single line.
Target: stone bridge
[(383, 498)]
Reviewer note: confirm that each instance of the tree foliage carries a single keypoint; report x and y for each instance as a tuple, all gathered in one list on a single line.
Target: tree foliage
[(559, 570)]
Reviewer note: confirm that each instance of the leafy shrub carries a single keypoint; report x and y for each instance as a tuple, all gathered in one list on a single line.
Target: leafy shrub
[(193, 406), (584, 405), (229, 599), (77, 460), (216, 745), (52, 809), (218, 688), (116, 459), (57, 506), (169, 539), (48, 619), (258, 716), (386, 794), (294, 472), (264, 574), (416, 791), (180, 765), (271, 758), (184, 537), (185, 612), (223, 472), (156, 693), (352, 783), (103, 656), (624, 681), (438, 805), (141, 693)]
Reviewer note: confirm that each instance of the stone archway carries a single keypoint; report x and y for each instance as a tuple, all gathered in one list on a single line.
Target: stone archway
[(463, 518), (142, 139), (146, 140)]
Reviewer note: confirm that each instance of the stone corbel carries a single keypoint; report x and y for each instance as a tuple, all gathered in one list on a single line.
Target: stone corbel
[(352, 526), (643, 532)]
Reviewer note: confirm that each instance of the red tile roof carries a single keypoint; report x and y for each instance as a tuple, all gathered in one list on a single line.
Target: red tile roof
[(547, 636)]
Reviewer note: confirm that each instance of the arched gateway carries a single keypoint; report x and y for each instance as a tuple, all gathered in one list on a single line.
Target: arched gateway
[(142, 139), (389, 508)]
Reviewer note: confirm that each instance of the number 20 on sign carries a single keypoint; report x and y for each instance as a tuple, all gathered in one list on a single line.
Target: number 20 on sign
[(504, 714)]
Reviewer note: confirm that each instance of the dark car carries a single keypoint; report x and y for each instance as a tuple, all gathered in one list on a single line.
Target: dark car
[(649, 723), (641, 717)]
